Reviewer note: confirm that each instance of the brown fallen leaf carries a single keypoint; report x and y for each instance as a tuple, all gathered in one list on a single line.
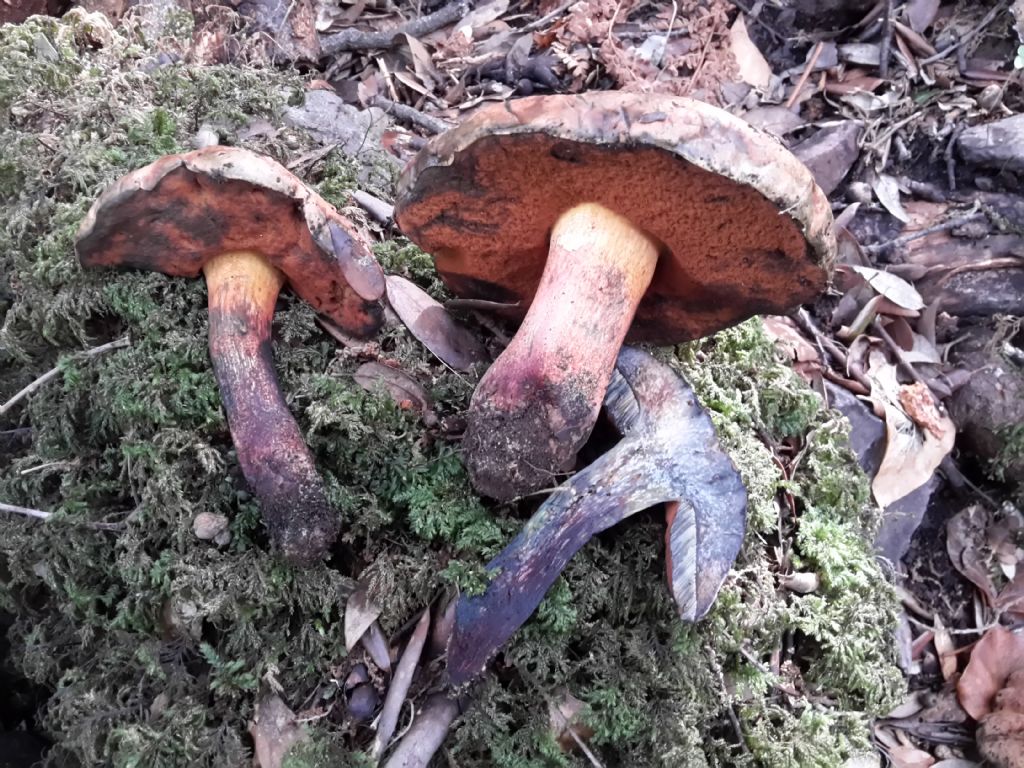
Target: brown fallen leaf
[(998, 655), (566, 722), (403, 389), (753, 68), (802, 353), (965, 541), (428, 321), (911, 456), (360, 613), (274, 731), (1001, 735), (904, 756), (945, 649)]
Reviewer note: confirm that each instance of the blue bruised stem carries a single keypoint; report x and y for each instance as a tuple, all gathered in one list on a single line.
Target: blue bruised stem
[(669, 453)]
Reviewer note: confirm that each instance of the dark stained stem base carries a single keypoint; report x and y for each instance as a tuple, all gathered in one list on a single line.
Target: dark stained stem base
[(536, 406), (272, 453)]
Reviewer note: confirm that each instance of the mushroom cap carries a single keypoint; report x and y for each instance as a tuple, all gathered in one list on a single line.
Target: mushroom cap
[(178, 213), (743, 227)]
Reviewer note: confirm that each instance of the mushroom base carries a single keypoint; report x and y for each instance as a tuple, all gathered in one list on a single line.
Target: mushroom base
[(275, 461), (536, 406)]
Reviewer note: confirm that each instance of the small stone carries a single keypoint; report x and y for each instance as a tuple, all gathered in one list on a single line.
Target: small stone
[(362, 703), (209, 525), (999, 144)]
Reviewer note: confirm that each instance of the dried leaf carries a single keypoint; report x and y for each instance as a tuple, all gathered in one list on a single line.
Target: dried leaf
[(775, 119), (965, 541), (904, 756), (887, 190), (403, 389), (564, 713), (911, 456), (921, 14), (753, 67), (360, 613), (428, 321), (996, 656), (274, 731), (894, 288), (804, 355)]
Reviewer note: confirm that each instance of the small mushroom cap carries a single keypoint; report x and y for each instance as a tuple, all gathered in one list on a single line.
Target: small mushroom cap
[(744, 229), (176, 214)]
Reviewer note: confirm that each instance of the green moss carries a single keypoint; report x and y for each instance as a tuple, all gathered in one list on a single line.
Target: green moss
[(152, 642)]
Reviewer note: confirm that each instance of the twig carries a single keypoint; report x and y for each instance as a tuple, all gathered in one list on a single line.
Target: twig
[(972, 215), (803, 319), (806, 74), (358, 40), (36, 513), (988, 19), (32, 387), (400, 683), (897, 350), (410, 115), (534, 25), (756, 18), (951, 157), (885, 50)]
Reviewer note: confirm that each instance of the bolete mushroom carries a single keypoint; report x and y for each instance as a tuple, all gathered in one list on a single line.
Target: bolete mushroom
[(249, 226), (670, 454), (613, 216)]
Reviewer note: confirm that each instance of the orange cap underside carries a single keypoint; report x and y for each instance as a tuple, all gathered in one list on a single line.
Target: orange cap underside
[(728, 251)]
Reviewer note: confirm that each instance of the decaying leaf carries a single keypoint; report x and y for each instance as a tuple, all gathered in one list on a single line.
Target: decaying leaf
[(893, 287), (402, 388), (274, 731), (905, 756), (669, 453), (754, 69), (887, 190), (999, 654), (805, 356), (431, 324), (965, 539), (911, 455), (945, 649), (775, 119), (1001, 735), (360, 613)]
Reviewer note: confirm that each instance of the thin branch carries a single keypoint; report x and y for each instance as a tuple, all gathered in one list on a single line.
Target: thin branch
[(988, 19), (15, 509), (42, 380), (811, 62), (410, 115), (972, 215), (359, 40), (885, 50), (400, 683)]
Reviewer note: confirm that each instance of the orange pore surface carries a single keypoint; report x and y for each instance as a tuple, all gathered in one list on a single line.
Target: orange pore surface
[(727, 251)]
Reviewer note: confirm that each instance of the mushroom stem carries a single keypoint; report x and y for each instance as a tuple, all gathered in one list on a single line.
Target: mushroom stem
[(243, 289), (539, 401)]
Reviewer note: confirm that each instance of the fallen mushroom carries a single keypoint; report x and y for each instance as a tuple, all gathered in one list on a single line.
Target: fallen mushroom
[(612, 215), (250, 226), (669, 453)]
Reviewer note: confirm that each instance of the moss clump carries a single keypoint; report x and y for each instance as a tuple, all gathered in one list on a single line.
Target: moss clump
[(152, 644)]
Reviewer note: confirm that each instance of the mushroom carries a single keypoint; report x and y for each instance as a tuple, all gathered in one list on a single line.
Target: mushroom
[(669, 453), (249, 226), (613, 216)]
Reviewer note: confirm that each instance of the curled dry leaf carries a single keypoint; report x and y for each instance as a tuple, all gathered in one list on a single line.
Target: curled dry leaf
[(997, 656), (911, 455), (403, 389), (360, 613), (965, 542), (894, 288), (887, 190), (753, 68), (274, 731), (430, 323)]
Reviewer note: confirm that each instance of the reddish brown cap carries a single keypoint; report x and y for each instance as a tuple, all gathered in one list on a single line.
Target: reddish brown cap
[(743, 227), (174, 215)]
